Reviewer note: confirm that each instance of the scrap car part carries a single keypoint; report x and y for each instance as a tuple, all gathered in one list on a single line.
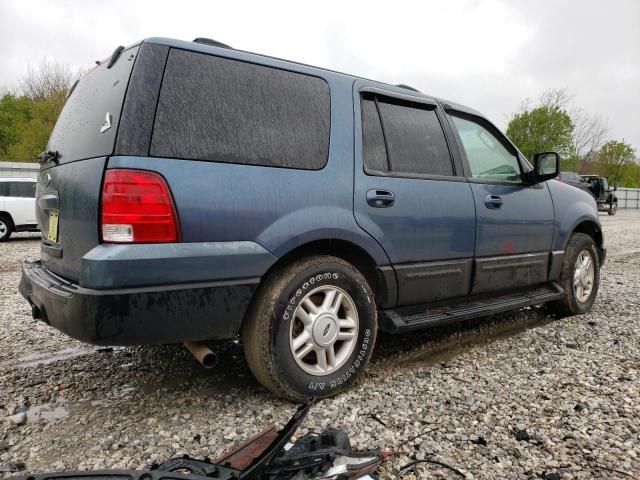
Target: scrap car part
[(268, 455)]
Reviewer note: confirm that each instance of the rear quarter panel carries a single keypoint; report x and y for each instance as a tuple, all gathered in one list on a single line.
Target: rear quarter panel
[(278, 208), (74, 190)]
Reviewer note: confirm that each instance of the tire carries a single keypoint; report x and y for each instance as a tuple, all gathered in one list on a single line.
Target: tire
[(6, 227), (613, 208), (576, 301), (280, 321)]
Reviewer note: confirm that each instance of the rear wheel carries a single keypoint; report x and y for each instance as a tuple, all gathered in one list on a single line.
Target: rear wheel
[(6, 227), (580, 277), (311, 328)]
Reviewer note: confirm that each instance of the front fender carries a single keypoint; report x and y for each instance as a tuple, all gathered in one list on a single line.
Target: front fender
[(572, 207)]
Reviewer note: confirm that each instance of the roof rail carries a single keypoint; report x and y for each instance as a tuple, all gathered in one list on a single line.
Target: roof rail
[(210, 41), (402, 85)]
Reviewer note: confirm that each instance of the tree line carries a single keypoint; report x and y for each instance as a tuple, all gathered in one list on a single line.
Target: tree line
[(28, 114), (554, 123)]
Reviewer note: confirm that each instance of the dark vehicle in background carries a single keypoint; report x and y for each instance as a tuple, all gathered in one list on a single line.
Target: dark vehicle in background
[(605, 196), (193, 192), (574, 179)]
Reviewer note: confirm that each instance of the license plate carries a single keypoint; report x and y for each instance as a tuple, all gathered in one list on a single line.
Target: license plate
[(53, 226)]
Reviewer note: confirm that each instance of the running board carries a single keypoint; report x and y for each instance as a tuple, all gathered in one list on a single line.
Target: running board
[(407, 319)]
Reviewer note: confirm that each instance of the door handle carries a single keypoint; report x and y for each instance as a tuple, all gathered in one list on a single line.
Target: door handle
[(380, 198), (493, 201)]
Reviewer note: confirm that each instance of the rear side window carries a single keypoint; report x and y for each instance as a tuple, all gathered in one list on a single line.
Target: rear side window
[(83, 129), (18, 189), (223, 110), (413, 136)]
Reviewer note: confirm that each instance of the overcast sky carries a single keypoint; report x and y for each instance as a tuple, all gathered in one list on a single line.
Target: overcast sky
[(487, 54)]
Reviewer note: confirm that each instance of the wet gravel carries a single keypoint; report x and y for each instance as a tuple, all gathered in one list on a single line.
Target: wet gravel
[(516, 396)]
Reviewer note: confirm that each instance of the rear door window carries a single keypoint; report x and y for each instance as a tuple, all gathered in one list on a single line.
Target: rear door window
[(223, 110), (412, 134)]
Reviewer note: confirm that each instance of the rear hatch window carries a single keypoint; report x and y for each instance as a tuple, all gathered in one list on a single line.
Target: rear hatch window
[(88, 124)]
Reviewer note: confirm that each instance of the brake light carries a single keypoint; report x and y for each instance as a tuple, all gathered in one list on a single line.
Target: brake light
[(137, 207)]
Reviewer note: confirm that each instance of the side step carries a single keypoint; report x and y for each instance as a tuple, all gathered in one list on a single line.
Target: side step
[(414, 318)]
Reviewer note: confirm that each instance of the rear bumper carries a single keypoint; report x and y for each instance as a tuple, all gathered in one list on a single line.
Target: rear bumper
[(137, 316)]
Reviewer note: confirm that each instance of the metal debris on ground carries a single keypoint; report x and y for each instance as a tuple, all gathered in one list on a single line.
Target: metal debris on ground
[(268, 455)]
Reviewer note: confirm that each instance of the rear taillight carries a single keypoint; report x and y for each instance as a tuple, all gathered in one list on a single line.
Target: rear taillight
[(137, 207)]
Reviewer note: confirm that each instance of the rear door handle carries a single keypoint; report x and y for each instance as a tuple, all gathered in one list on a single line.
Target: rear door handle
[(493, 201), (380, 198)]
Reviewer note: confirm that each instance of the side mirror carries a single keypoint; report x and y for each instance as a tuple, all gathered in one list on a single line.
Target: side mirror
[(546, 166)]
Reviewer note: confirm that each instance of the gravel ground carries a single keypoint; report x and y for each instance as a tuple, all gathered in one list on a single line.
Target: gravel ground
[(456, 394)]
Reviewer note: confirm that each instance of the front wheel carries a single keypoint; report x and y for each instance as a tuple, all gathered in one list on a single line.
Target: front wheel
[(311, 328), (580, 277), (613, 208), (5, 228)]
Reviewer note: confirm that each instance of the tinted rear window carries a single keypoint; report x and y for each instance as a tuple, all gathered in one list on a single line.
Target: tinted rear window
[(413, 136), (415, 140), (100, 92), (223, 110)]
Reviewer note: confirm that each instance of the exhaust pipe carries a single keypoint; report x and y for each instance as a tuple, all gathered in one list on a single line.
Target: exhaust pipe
[(202, 353)]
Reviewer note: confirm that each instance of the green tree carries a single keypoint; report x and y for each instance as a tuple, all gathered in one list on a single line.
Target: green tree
[(46, 80), (35, 131), (545, 128), (14, 112), (614, 160), (630, 176), (26, 121)]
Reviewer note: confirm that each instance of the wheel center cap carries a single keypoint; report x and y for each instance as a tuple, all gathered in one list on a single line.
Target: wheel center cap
[(325, 330)]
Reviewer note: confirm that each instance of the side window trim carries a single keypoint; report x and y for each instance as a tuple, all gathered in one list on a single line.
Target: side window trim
[(379, 92), (451, 112), (397, 95)]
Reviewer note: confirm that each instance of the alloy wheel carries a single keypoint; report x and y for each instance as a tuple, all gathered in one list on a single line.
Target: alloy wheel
[(324, 330), (583, 276)]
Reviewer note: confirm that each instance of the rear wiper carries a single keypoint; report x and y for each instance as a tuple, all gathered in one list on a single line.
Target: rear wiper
[(49, 156)]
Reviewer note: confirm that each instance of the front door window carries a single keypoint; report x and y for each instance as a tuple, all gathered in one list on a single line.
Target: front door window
[(488, 157)]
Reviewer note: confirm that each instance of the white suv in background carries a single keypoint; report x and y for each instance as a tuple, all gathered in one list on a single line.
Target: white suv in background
[(17, 206)]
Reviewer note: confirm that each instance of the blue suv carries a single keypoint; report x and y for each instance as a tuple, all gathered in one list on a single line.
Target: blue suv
[(193, 192)]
